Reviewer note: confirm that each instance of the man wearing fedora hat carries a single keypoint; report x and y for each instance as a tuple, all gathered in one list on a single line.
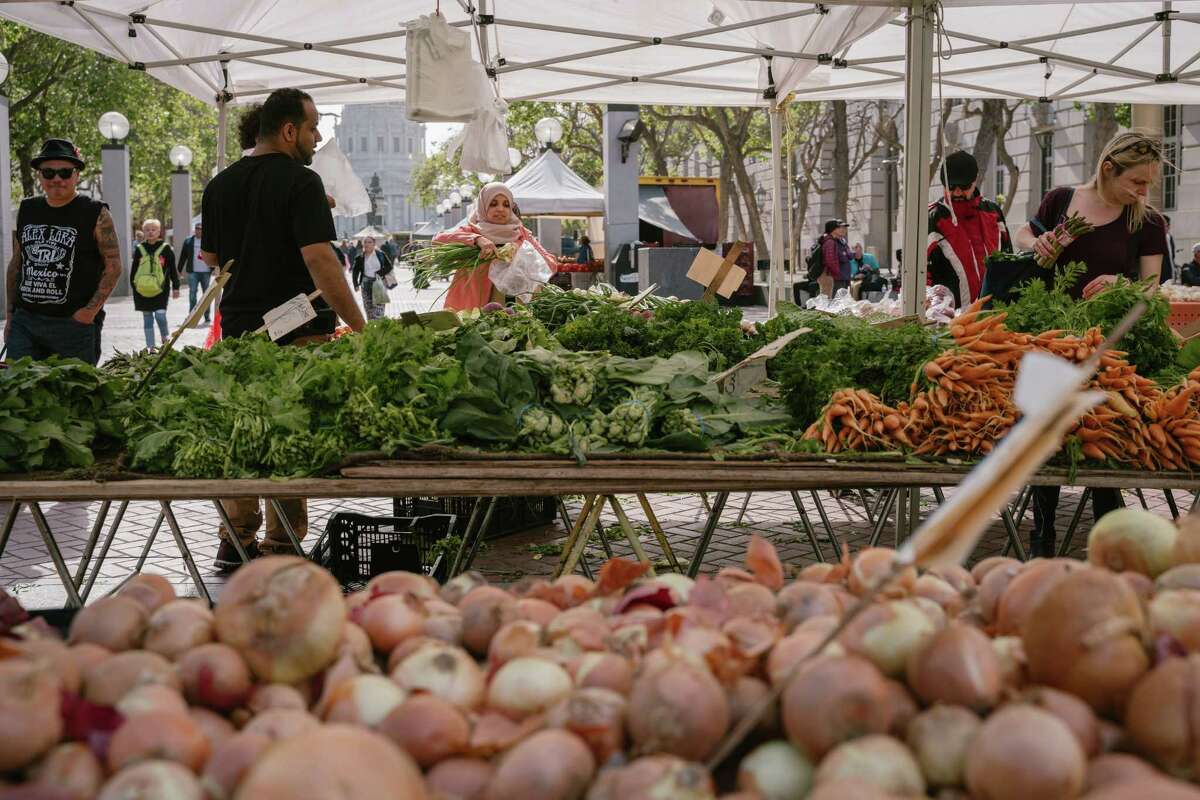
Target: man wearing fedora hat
[(66, 260)]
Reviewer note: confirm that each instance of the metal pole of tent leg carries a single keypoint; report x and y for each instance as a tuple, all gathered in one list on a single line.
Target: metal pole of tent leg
[(222, 135), (778, 245), (1083, 500), (1142, 499), (837, 548), (809, 532), (1167, 493), (585, 511), (659, 533), (108, 540), (181, 543), (887, 498), (862, 495), (1013, 535), (461, 553), (482, 532), (634, 542), (234, 539), (90, 546), (918, 97), (141, 562), (10, 519), (287, 526), (710, 527), (39, 519), (745, 505)]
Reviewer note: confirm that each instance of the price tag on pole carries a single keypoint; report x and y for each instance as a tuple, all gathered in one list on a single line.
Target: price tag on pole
[(283, 319)]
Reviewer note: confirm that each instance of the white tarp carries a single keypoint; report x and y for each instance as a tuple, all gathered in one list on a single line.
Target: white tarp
[(337, 173), (654, 208), (548, 187)]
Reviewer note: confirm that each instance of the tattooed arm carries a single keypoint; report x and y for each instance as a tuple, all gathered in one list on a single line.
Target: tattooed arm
[(110, 252), (11, 280)]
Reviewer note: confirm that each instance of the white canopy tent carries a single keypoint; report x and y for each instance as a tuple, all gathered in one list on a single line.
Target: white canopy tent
[(683, 53), (546, 187), (370, 232)]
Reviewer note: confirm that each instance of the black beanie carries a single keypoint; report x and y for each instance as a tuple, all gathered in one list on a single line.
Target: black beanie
[(961, 169)]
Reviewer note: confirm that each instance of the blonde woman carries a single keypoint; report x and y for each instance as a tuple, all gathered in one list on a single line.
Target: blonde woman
[(154, 279), (1130, 237), (1129, 240)]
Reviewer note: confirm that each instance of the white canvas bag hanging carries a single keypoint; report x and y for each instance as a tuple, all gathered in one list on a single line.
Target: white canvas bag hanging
[(443, 83)]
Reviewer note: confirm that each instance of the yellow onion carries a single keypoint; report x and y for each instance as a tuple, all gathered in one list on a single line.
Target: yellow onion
[(1027, 589), (957, 666), (596, 716), (655, 776), (156, 778), (150, 590), (428, 728), (1133, 539), (29, 712), (549, 765), (677, 708), (460, 778), (1010, 654), (941, 592), (1024, 753), (939, 738), (485, 610), (158, 735), (54, 657), (1163, 715), (526, 686), (1074, 713), (833, 699), (443, 670), (958, 577), (1113, 768), (215, 675), (791, 650), (603, 671), (1187, 541), (887, 634), (901, 706), (992, 586), (980, 570), (116, 623), (107, 681), (745, 696), (1158, 788), (1085, 637), (71, 769), (230, 761), (285, 616), (362, 700), (1184, 576), (1176, 612), (775, 771), (871, 565), (177, 627), (803, 600), (878, 760), (282, 723)]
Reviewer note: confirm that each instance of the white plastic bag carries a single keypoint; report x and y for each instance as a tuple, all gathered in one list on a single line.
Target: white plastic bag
[(443, 83), (524, 275), (484, 141), (379, 293)]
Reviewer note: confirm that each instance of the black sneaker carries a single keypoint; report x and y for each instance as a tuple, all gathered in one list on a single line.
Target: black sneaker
[(228, 560)]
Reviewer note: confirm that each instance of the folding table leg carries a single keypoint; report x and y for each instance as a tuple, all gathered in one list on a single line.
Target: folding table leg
[(704, 500), (809, 532), (1195, 500), (862, 495), (1142, 499), (287, 526), (745, 505), (1022, 504), (663, 542), (714, 518), (634, 542), (588, 523), (939, 495), (573, 534), (238, 547), (461, 553), (570, 526), (10, 519), (141, 562), (837, 548), (1083, 501), (1014, 535), (39, 519), (1167, 493), (483, 529), (108, 540), (181, 543), (887, 499), (90, 546)]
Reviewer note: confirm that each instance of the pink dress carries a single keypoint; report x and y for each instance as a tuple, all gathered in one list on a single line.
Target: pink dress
[(472, 289)]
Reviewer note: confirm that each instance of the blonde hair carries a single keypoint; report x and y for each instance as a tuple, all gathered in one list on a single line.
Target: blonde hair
[(152, 221), (1125, 151)]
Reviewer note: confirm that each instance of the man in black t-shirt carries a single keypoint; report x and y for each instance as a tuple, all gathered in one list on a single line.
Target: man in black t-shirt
[(66, 260), (268, 213)]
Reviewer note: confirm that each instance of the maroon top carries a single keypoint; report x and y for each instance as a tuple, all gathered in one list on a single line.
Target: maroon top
[(1108, 250)]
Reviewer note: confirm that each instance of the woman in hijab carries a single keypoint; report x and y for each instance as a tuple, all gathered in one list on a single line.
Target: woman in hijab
[(492, 224)]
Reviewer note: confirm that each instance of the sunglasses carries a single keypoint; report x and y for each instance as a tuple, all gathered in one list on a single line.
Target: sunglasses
[(62, 172), (1145, 147)]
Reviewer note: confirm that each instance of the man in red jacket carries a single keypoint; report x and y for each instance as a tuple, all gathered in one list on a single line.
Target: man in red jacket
[(960, 241)]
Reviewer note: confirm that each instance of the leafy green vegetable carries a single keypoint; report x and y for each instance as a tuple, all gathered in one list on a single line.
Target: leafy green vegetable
[(619, 331)]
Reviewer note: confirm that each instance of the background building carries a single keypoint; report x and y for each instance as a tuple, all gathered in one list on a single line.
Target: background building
[(384, 147)]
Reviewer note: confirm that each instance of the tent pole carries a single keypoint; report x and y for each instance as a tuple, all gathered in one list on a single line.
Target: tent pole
[(222, 112), (918, 96), (775, 285), (1166, 38)]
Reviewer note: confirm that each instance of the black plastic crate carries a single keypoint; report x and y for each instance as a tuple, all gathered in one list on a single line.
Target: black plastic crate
[(357, 547), (512, 514)]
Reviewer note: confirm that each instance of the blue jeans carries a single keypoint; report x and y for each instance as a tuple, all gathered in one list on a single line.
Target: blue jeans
[(148, 320), (39, 337), (197, 285)]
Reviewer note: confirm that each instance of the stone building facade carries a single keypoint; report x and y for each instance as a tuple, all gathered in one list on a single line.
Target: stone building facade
[(379, 139)]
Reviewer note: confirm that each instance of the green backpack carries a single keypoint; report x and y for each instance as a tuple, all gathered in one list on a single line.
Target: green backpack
[(148, 279)]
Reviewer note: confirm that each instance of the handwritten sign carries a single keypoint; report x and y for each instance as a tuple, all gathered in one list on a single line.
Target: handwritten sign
[(717, 275), (283, 319)]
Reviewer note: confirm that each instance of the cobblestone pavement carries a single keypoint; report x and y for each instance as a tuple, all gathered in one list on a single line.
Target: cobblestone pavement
[(26, 568)]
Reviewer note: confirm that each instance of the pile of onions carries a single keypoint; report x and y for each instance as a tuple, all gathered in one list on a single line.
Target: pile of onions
[(1024, 752), (1133, 539)]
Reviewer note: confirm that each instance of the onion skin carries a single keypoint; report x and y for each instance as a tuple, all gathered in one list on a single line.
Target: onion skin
[(1085, 637), (803, 600), (158, 735), (939, 738), (526, 686), (151, 697), (602, 671), (71, 768), (549, 765), (980, 570), (880, 760), (362, 700), (484, 611), (872, 564), (115, 623), (653, 777), (775, 771), (460, 778), (177, 627), (352, 763), (214, 675), (443, 670), (230, 761), (677, 709), (1027, 589), (1163, 715), (284, 615), (1113, 768), (832, 699), (1024, 753), (158, 779), (282, 723), (1132, 539), (1073, 712), (107, 681), (958, 666), (596, 716), (150, 590), (428, 728)]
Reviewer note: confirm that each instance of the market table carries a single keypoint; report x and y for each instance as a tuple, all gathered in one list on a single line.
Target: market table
[(454, 473)]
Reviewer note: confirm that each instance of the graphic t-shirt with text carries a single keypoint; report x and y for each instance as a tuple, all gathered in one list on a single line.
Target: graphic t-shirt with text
[(60, 260)]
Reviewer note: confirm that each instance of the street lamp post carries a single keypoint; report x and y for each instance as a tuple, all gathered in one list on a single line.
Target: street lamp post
[(889, 165), (181, 197), (548, 131), (114, 167)]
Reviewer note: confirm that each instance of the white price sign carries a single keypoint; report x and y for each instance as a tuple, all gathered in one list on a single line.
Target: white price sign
[(282, 320)]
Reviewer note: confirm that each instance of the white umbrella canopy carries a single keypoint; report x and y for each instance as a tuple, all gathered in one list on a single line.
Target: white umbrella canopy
[(548, 187), (370, 232)]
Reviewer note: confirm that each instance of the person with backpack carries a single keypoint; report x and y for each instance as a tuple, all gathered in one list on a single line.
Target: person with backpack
[(828, 261), (154, 275)]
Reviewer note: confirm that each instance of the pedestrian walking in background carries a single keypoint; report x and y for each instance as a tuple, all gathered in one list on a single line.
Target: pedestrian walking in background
[(370, 268), (198, 274), (835, 256), (154, 278)]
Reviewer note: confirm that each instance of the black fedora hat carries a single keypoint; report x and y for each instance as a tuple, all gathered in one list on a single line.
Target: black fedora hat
[(58, 150)]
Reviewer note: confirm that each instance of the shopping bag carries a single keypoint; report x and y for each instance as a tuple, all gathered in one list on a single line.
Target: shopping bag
[(524, 275), (379, 293), (484, 141), (1007, 274), (443, 83)]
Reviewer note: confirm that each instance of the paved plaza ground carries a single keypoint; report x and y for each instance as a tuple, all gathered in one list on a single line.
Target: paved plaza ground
[(26, 568)]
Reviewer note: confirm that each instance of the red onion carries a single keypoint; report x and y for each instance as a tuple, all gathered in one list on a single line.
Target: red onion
[(389, 620), (72, 769), (116, 623), (445, 671), (150, 590), (1024, 753), (158, 735), (428, 728), (597, 716), (333, 761), (957, 666), (678, 709), (939, 738), (526, 686), (284, 615), (214, 675), (107, 681), (775, 771), (549, 765), (460, 778), (164, 780), (230, 761), (485, 610), (876, 759), (832, 699), (603, 671), (177, 627), (656, 776)]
